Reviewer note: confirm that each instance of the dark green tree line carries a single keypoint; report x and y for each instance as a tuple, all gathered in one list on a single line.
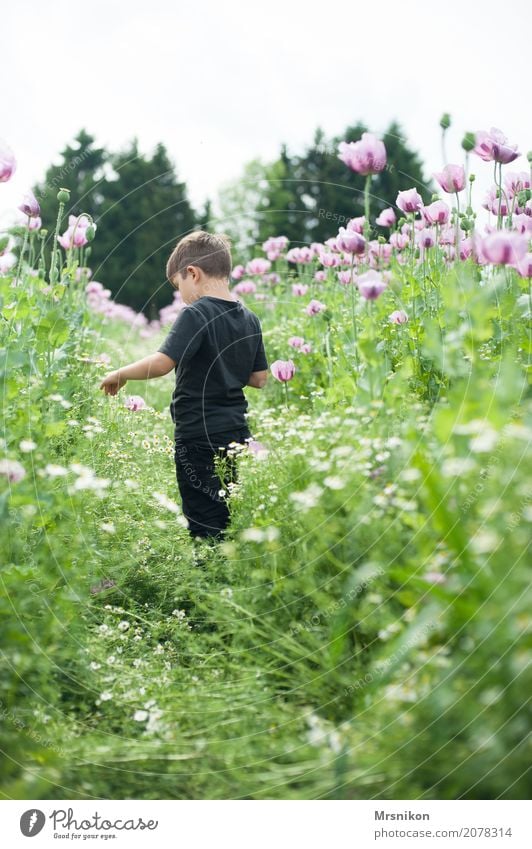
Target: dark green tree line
[(140, 209)]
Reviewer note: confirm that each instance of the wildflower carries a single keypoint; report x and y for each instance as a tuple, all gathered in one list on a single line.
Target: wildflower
[(13, 470), (283, 370), (308, 497), (451, 179), (140, 715), (398, 317), (409, 200), (29, 205), (258, 266), (333, 482), (387, 218), (166, 502), (315, 307), (371, 285), (434, 577), (134, 403), (503, 247), (457, 466), (8, 163), (494, 147), (105, 696), (123, 626), (257, 448), (351, 242), (436, 213), (366, 156), (107, 527), (179, 614)]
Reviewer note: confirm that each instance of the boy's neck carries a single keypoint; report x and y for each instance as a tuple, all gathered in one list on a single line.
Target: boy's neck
[(217, 290)]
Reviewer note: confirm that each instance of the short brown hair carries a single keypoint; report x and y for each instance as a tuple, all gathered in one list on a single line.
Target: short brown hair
[(209, 251)]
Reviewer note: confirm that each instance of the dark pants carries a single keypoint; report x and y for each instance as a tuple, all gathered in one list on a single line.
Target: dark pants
[(199, 485)]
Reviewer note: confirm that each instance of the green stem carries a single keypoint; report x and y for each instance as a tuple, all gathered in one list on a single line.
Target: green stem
[(286, 393), (372, 338), (328, 349), (53, 267), (499, 215), (22, 252), (457, 237), (367, 185), (353, 317)]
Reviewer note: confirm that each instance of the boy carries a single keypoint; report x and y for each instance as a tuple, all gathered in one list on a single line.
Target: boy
[(215, 347)]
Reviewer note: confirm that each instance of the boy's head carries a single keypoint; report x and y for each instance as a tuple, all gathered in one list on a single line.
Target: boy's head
[(200, 264)]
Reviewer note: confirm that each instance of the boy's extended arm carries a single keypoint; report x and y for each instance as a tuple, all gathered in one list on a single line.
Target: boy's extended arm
[(258, 379), (155, 365)]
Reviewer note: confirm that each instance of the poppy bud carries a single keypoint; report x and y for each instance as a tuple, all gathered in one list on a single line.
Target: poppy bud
[(90, 232), (63, 195), (469, 142), (529, 156), (445, 121)]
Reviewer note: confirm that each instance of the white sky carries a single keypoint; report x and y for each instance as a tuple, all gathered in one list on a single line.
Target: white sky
[(221, 82)]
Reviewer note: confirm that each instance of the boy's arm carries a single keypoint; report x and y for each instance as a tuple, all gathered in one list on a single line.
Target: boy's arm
[(259, 373), (155, 365), (258, 379)]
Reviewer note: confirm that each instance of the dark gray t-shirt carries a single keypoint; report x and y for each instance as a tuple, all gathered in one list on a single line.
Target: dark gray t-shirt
[(216, 345)]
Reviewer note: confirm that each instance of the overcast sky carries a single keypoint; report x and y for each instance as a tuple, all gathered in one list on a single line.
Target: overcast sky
[(222, 82)]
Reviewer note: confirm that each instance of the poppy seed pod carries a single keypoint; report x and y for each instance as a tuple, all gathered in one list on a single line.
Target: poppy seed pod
[(63, 195)]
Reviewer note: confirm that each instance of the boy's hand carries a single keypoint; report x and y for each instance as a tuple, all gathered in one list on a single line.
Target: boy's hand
[(112, 382)]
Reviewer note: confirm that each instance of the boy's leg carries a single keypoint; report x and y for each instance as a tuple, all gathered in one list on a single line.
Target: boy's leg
[(199, 485)]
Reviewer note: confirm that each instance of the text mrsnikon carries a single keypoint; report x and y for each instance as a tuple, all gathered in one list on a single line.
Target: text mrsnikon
[(405, 815)]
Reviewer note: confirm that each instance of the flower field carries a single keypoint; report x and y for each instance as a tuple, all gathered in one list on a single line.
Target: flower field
[(365, 631)]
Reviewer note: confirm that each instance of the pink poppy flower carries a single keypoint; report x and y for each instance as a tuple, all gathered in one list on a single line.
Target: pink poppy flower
[(134, 402), (409, 200), (283, 370), (8, 163), (30, 205), (451, 179), (371, 285), (494, 147), (387, 218), (315, 307), (436, 213), (398, 317), (366, 156), (350, 241), (504, 247)]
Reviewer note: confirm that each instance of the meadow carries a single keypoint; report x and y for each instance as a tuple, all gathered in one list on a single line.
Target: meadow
[(365, 630)]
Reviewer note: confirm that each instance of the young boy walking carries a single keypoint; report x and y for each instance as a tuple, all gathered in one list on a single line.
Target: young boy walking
[(216, 348)]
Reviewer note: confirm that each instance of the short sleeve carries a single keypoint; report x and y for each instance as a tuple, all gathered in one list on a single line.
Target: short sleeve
[(185, 336), (261, 363)]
